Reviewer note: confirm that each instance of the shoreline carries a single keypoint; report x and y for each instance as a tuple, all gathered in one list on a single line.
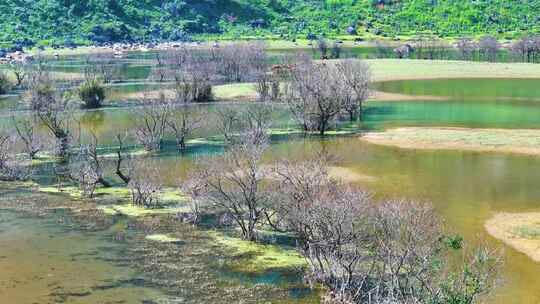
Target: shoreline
[(517, 230)]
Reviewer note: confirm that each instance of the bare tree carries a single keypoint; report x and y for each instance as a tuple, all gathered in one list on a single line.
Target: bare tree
[(13, 165), (83, 172), (122, 159), (142, 179), (267, 86), (489, 46), (467, 48), (183, 123), (193, 85), (145, 184), (160, 70), (355, 79), (20, 70), (233, 122), (367, 252), (151, 120), (192, 71), (86, 168), (322, 46), (317, 93), (527, 48), (229, 121), (27, 131), (234, 183), (52, 106), (310, 95), (336, 50), (103, 67), (241, 61), (403, 51)]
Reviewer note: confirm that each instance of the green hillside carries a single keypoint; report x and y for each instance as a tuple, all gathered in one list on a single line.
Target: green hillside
[(82, 21)]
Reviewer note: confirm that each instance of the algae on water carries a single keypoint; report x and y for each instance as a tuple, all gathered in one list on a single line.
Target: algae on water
[(255, 257)]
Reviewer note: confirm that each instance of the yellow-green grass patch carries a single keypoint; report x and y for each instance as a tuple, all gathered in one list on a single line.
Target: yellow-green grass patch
[(236, 92), (256, 257), (162, 238), (394, 69)]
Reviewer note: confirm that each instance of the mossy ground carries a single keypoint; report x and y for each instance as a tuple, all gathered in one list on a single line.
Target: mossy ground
[(171, 200), (162, 238), (256, 257)]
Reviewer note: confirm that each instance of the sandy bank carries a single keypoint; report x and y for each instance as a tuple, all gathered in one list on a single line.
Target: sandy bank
[(520, 231), (523, 141)]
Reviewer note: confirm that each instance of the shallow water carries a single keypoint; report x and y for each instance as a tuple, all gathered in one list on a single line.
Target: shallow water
[(465, 187), (469, 89), (42, 263), (476, 103)]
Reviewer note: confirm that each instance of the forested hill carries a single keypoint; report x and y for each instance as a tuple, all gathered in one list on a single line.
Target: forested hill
[(55, 21)]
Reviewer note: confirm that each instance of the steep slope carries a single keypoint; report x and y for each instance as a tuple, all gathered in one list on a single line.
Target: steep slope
[(117, 20)]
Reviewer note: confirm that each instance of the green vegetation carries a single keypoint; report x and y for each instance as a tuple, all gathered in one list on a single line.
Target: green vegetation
[(69, 22), (162, 238), (255, 257), (236, 91), (5, 83), (92, 93)]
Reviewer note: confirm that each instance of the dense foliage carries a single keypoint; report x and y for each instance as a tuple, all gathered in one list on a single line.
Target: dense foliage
[(67, 21)]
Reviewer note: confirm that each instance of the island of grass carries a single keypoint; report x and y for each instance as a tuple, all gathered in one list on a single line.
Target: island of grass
[(520, 231), (255, 257), (522, 141), (119, 200)]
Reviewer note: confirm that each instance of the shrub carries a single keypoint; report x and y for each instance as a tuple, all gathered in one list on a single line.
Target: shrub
[(92, 93), (5, 83)]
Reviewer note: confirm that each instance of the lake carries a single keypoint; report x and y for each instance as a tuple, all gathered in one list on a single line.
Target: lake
[(465, 187)]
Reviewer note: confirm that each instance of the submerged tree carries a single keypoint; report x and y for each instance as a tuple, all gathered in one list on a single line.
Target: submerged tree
[(102, 67), (145, 184), (355, 77), (86, 168), (467, 48), (27, 131), (527, 48), (52, 106), (363, 252), (151, 121), (317, 93), (234, 183), (183, 122), (14, 166), (20, 70), (240, 61), (488, 47), (193, 74)]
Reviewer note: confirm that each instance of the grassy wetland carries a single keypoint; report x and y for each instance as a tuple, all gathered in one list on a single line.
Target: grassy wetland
[(146, 194)]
